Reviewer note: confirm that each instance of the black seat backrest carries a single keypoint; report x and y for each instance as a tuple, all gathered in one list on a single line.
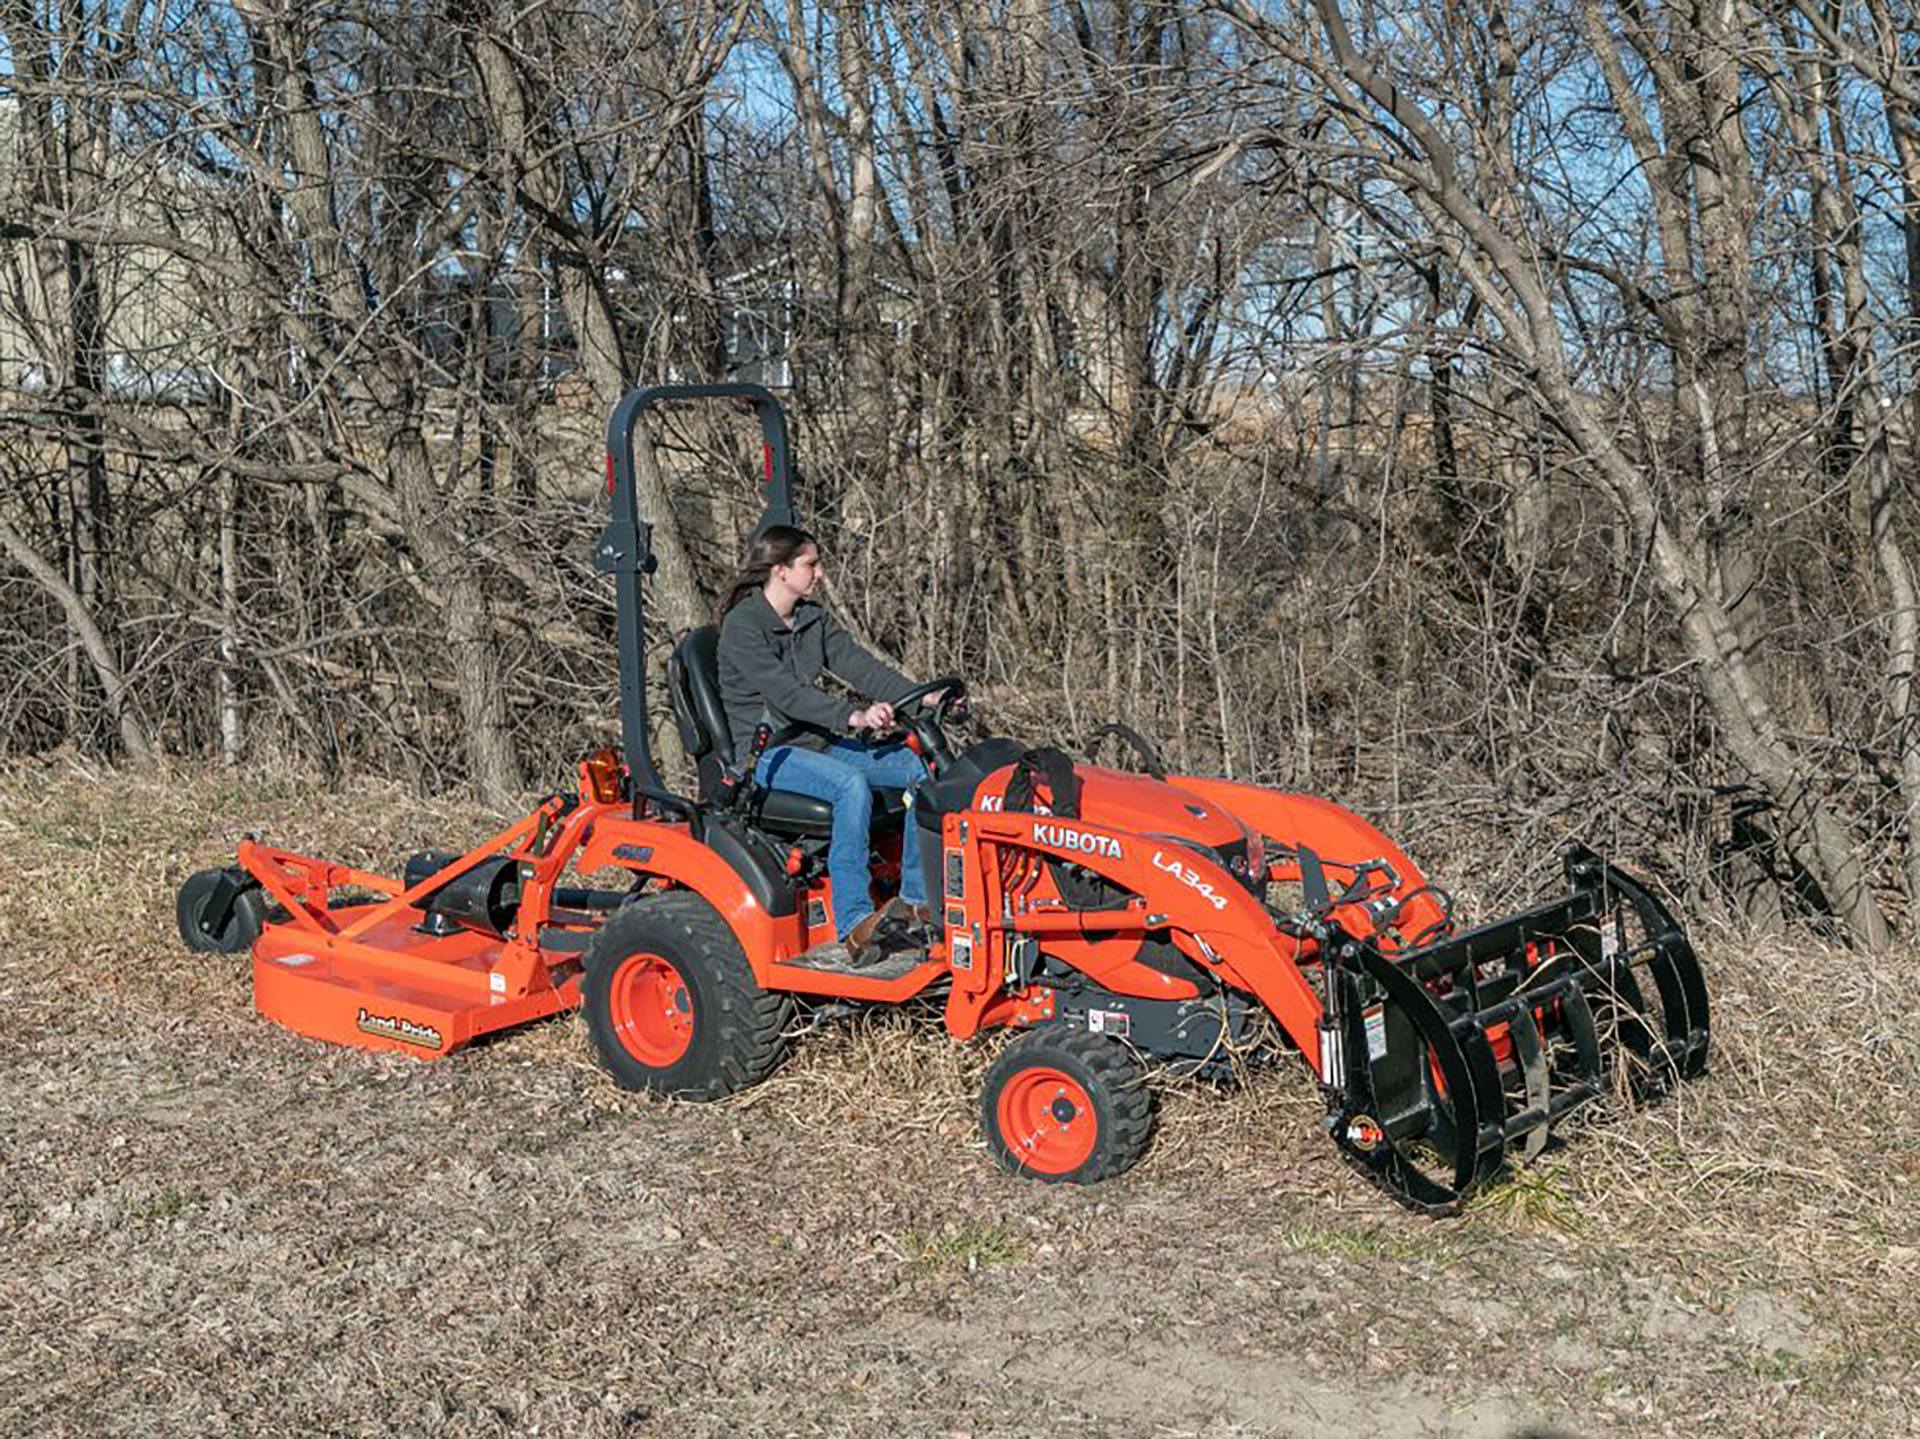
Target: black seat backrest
[(693, 684)]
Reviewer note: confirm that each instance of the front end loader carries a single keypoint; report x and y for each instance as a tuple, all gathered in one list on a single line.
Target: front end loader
[(1177, 913), (1120, 920)]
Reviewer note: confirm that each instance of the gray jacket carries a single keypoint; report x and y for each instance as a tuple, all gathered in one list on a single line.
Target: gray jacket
[(771, 664)]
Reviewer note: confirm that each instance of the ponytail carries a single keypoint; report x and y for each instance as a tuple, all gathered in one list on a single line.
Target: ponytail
[(773, 546)]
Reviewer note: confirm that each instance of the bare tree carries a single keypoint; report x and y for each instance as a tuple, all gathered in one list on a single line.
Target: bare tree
[(62, 139), (1501, 420), (1379, 109)]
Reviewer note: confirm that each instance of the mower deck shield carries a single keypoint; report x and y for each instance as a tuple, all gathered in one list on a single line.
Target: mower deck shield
[(403, 972), (396, 988), (356, 994)]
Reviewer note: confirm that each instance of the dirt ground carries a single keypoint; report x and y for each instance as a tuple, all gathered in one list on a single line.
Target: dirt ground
[(212, 1226)]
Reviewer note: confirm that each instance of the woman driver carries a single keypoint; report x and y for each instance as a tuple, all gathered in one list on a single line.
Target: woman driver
[(774, 644)]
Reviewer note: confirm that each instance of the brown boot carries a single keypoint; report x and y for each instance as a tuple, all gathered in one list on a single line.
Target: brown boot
[(860, 940)]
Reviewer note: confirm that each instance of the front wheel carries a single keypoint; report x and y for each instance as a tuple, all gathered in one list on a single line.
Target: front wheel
[(672, 1005), (1064, 1106), (228, 896)]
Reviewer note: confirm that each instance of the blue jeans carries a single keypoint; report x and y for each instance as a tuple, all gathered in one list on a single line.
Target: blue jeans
[(845, 777)]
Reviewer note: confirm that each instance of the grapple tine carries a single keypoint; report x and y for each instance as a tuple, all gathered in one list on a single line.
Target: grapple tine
[(1529, 1046), (1681, 1051), (1586, 1038), (1420, 1092)]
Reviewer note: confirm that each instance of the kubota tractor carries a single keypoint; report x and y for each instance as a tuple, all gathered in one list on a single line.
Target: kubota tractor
[(1117, 919)]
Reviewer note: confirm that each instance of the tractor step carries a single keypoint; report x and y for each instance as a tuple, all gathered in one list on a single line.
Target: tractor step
[(890, 966)]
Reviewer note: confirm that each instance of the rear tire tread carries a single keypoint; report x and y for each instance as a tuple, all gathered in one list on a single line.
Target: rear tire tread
[(739, 1025)]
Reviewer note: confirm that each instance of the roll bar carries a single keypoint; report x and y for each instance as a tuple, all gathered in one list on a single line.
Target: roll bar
[(625, 550)]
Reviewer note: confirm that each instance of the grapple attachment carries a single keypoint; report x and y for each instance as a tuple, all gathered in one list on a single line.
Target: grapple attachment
[(1442, 1064)]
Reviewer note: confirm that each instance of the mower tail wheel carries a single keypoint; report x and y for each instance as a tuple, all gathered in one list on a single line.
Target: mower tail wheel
[(1064, 1106), (672, 1005), (198, 908)]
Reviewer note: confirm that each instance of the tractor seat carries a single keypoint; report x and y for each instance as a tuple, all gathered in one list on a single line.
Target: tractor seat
[(693, 684)]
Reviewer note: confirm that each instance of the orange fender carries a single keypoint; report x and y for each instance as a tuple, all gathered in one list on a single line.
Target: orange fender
[(670, 852)]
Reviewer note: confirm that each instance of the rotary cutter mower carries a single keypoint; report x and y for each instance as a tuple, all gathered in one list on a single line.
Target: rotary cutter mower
[(1118, 919)]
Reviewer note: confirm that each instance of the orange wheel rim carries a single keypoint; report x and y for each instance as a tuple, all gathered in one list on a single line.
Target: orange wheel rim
[(651, 1009), (1047, 1121)]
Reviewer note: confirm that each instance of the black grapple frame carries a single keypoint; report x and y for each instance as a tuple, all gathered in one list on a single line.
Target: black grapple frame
[(1440, 1062)]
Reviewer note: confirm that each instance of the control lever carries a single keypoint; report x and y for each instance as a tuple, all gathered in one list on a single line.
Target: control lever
[(1316, 896), (737, 782)]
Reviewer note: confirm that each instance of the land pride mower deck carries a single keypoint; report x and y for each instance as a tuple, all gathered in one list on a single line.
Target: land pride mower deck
[(1119, 919)]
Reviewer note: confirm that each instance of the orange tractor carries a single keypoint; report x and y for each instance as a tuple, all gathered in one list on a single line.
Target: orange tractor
[(1118, 919)]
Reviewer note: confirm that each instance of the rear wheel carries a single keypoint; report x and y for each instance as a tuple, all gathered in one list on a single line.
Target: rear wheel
[(672, 1005), (1064, 1106), (245, 916)]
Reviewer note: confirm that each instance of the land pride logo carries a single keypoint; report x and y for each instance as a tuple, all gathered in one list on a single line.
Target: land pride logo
[(395, 1027), (1060, 837)]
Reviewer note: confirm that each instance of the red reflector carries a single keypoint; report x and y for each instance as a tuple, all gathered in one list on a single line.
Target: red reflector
[(609, 474), (766, 461)]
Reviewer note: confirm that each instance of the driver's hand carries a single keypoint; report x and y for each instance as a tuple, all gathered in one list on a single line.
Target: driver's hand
[(933, 700), (876, 716)]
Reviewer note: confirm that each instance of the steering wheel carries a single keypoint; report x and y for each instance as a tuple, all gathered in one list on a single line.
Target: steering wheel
[(928, 724)]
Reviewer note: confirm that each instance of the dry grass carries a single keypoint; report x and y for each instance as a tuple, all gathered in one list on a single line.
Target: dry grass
[(214, 1226)]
